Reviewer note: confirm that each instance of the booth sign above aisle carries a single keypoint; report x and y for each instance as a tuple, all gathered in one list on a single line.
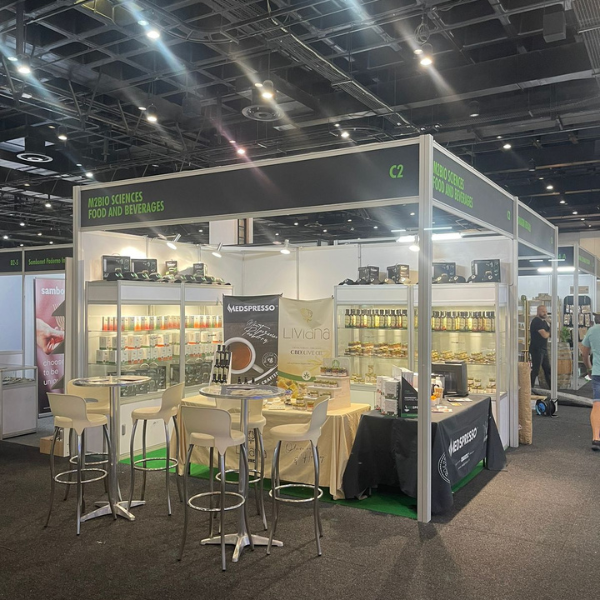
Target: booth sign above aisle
[(51, 259), (11, 262), (348, 177), (462, 189), (535, 231), (587, 261)]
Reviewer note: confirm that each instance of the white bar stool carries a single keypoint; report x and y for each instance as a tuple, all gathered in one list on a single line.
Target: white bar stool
[(299, 433), (70, 412), (211, 428), (256, 424), (171, 399)]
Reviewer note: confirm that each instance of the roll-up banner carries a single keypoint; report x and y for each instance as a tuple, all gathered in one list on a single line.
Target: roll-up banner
[(49, 306), (305, 339), (250, 328)]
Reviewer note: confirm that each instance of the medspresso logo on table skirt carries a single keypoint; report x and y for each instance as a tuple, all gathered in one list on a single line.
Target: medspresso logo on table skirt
[(463, 440), (252, 308)]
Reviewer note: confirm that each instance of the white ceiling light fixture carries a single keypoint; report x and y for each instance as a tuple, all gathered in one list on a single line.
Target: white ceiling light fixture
[(23, 66), (4, 237), (507, 146), (241, 151), (575, 212), (152, 114), (142, 108), (143, 23), (26, 184), (13, 58), (563, 202), (267, 90), (549, 187), (295, 222), (48, 205), (21, 245), (51, 242), (39, 233), (62, 134), (426, 57), (153, 34), (474, 108), (258, 84), (345, 134), (22, 224), (89, 175), (286, 248), (217, 252)]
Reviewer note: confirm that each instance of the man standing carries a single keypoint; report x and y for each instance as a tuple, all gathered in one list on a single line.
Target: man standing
[(538, 345), (591, 345)]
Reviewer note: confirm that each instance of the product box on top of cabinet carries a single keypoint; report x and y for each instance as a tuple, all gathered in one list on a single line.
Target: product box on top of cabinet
[(370, 274), (398, 273), (486, 270), (200, 269), (409, 400)]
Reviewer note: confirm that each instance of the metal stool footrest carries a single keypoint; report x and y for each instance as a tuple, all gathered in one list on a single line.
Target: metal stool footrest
[(251, 472), (173, 462), (216, 494), (58, 476), (104, 461), (305, 486)]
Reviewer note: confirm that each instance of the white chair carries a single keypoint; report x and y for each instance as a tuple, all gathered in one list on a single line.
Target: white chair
[(70, 412), (211, 428), (169, 406), (299, 433), (256, 424)]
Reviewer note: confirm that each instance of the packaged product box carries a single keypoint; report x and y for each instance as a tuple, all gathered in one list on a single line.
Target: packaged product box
[(371, 274), (390, 391), (409, 401), (398, 273)]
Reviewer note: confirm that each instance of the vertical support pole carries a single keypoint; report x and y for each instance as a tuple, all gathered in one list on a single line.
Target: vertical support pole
[(575, 370), (513, 341), (76, 285), (556, 324), (424, 334)]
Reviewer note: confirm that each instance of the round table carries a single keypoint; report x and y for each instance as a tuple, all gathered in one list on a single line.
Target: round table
[(114, 506), (245, 393)]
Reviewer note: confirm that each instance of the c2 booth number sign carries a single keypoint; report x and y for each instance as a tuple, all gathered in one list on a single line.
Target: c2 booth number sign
[(369, 175)]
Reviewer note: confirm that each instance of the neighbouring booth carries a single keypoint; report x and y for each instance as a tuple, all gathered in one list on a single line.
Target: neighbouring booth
[(34, 337), (566, 285), (446, 315)]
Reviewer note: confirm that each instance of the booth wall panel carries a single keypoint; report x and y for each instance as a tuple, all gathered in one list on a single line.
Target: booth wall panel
[(272, 273), (384, 256), (322, 268), (98, 243), (11, 300)]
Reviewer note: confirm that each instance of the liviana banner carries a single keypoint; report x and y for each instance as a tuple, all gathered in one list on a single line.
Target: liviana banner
[(49, 338), (305, 339)]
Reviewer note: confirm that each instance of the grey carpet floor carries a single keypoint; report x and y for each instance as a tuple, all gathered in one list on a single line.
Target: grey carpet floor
[(527, 532)]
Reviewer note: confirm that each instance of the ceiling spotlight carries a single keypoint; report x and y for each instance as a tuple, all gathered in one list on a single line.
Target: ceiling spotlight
[(51, 242), (426, 57), (62, 134), (23, 66), (336, 124), (375, 227), (241, 151), (507, 146), (563, 202), (217, 252), (172, 245), (21, 245), (583, 218), (412, 214), (286, 249), (474, 108), (26, 184), (153, 34), (142, 108), (151, 114), (232, 141), (200, 230), (349, 220), (277, 234), (549, 187), (324, 230), (26, 96), (345, 134), (258, 84), (295, 222), (89, 175), (12, 58), (418, 51), (4, 237), (574, 212), (39, 233), (532, 165), (48, 205), (22, 224), (78, 165), (143, 22), (268, 91)]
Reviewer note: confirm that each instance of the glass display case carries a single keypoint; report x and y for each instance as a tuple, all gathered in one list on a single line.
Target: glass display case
[(373, 329), (167, 332), (18, 400)]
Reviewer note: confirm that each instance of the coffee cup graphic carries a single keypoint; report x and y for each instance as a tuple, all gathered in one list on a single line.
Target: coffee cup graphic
[(243, 356)]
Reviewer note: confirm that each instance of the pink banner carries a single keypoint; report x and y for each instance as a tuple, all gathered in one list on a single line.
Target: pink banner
[(49, 338)]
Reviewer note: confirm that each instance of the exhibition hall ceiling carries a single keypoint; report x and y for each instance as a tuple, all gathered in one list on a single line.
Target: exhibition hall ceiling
[(106, 90)]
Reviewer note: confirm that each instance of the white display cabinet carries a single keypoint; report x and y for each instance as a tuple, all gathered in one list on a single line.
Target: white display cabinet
[(18, 400), (165, 331)]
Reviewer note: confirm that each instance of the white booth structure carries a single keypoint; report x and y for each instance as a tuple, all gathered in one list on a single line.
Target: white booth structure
[(416, 174)]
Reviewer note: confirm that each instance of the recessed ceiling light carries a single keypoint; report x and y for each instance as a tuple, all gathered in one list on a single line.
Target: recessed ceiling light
[(22, 224), (563, 202), (25, 95), (349, 220), (39, 233), (295, 222), (375, 227), (51, 242), (48, 205), (345, 135), (498, 137), (26, 184), (153, 34), (507, 146), (276, 234), (23, 67), (324, 230), (574, 212), (12, 58), (583, 218), (21, 245), (151, 114), (89, 175), (200, 230), (241, 151), (142, 107), (336, 124), (143, 22), (412, 214), (418, 51), (232, 141), (549, 187), (4, 237), (258, 84), (78, 165)]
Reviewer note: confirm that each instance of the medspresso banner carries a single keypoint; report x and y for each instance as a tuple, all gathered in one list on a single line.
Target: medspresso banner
[(49, 338), (250, 327), (305, 338)]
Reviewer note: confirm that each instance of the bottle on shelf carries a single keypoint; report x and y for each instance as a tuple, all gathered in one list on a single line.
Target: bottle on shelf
[(239, 379), (347, 320), (376, 319)]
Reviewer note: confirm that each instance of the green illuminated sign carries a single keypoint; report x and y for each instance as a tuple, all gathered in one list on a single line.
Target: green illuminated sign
[(524, 224)]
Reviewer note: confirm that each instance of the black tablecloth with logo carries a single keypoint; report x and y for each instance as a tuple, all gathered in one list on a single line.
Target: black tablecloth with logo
[(385, 451)]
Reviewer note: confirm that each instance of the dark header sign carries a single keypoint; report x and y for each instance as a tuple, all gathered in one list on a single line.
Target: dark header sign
[(534, 230), (382, 174), (11, 262), (587, 261), (565, 256), (51, 259), (461, 189)]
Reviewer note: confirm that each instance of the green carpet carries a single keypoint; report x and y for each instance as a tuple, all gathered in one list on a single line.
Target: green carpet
[(384, 500)]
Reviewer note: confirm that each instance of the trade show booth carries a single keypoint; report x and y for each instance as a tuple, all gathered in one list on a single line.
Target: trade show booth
[(450, 275), (33, 343)]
